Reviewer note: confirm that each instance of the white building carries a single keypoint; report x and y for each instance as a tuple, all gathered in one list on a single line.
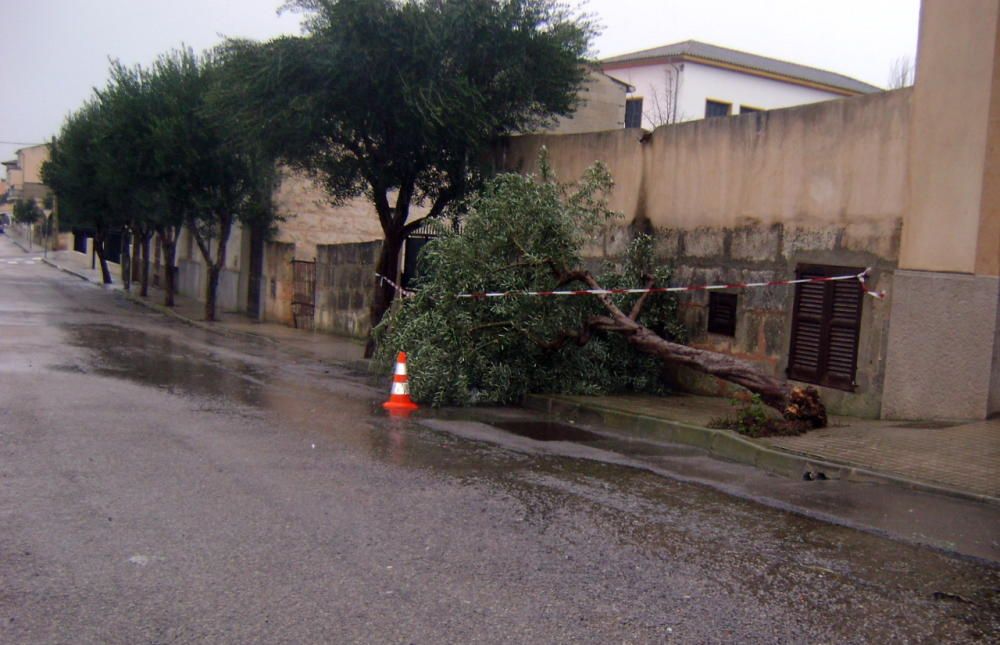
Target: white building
[(693, 80)]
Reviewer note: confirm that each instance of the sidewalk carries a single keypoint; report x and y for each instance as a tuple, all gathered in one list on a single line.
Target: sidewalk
[(326, 347), (957, 459)]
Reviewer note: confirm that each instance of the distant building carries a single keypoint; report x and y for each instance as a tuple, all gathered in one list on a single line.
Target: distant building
[(694, 80), (24, 174), (602, 107)]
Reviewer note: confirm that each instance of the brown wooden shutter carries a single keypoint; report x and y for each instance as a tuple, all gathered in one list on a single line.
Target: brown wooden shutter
[(825, 328)]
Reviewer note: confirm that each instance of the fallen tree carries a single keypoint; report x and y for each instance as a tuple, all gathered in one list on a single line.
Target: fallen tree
[(795, 403), (527, 234)]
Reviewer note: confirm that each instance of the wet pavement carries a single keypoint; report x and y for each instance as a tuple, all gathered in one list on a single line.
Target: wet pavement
[(163, 484)]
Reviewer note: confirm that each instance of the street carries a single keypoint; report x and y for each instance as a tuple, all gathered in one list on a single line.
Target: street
[(163, 484)]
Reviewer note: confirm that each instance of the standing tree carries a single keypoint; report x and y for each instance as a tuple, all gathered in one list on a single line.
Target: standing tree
[(75, 173), (211, 177), (127, 166), (398, 100)]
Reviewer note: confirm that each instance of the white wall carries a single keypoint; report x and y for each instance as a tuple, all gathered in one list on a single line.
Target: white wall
[(703, 82), (650, 80), (700, 82)]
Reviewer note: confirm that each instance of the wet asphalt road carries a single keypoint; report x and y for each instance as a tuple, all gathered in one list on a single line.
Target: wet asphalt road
[(160, 484)]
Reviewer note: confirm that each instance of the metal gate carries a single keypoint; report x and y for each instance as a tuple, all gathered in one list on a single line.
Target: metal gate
[(303, 293)]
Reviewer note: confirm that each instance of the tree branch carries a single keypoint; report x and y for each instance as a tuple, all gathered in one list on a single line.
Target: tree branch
[(403, 203), (206, 252), (640, 303), (581, 338)]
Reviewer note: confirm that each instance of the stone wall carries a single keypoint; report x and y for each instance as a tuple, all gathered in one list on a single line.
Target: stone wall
[(345, 275), (309, 220), (757, 253)]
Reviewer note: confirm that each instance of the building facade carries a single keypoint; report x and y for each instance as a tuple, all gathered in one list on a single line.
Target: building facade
[(902, 183), (694, 80)]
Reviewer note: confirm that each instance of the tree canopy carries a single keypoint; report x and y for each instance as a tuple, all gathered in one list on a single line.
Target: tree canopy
[(521, 234), (398, 100), (27, 211), (150, 152)]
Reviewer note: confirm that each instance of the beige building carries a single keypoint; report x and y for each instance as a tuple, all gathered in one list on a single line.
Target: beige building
[(24, 173), (602, 106), (904, 183), (943, 357), (23, 179)]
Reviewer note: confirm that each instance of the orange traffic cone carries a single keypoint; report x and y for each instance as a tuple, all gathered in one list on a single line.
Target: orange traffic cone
[(399, 396)]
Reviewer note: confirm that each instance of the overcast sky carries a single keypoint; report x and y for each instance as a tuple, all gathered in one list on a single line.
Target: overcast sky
[(53, 52)]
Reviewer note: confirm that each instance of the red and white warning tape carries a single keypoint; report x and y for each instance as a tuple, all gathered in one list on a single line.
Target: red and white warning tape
[(860, 277), (401, 290)]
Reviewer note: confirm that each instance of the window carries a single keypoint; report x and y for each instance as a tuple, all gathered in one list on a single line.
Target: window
[(746, 109), (722, 313), (826, 322), (633, 113), (717, 108)]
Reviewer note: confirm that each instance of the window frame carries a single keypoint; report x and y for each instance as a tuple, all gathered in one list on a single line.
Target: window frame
[(728, 104), (633, 100), (828, 322)]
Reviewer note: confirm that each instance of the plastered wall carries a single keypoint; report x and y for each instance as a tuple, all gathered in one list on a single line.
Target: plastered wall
[(748, 199)]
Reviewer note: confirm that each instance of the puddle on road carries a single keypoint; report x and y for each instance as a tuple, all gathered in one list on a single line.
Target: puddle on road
[(157, 361), (547, 431)]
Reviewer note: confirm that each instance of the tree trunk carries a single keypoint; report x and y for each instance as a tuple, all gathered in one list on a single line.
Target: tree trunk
[(144, 250), (99, 251), (169, 246), (388, 266), (136, 256), (157, 265), (797, 404), (214, 266), (211, 288), (125, 263)]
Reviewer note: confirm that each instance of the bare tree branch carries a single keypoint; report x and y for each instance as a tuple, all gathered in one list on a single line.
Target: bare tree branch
[(902, 73)]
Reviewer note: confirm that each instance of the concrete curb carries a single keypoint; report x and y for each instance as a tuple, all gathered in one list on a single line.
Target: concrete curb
[(730, 446), (65, 270)]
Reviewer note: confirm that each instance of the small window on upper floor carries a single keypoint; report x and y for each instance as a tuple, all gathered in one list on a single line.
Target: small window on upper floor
[(747, 109), (633, 113), (717, 108)]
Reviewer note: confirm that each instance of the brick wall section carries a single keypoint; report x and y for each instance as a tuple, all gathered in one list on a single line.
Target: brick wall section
[(345, 275)]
